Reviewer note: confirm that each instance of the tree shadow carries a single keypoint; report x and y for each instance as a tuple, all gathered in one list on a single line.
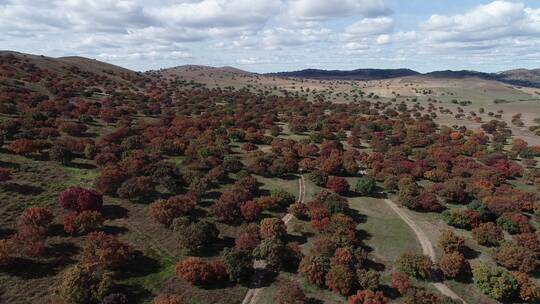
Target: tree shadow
[(135, 293), (8, 165), (358, 217), (6, 232), (300, 239), (377, 266), (212, 195), (389, 292), (114, 212), (23, 189), (39, 156), (114, 230), (139, 266), (80, 165), (57, 230), (57, 257), (470, 253)]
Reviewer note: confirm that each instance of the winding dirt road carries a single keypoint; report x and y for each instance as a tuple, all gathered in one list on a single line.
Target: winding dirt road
[(259, 265), (427, 247)]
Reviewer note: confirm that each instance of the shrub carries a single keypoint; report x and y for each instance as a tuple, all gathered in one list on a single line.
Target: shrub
[(340, 278), (239, 264), (528, 290), (332, 202), (6, 248), (85, 284), (516, 258), (227, 207), (137, 188), (283, 197), (273, 251), (313, 269), (60, 154), (454, 264), (324, 245), (105, 250), (83, 222), (338, 184), (416, 265), (272, 228), (115, 298), (32, 229), (427, 201), (514, 223), (368, 297), (168, 299), (368, 279), (5, 175), (23, 146), (318, 177), (494, 281), (401, 282), (110, 179), (250, 210), (365, 185), (268, 203), (299, 210), (488, 234), (35, 217), (462, 218), (320, 217), (79, 200), (528, 240), (194, 237), (342, 230), (450, 242), (420, 296), (290, 293), (247, 241), (165, 211), (198, 272)]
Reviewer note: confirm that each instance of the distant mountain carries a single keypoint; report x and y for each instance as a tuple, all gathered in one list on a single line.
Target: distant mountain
[(359, 74), (519, 77)]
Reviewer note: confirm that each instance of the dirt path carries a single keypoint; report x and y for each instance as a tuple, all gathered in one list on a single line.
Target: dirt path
[(427, 247), (258, 265)]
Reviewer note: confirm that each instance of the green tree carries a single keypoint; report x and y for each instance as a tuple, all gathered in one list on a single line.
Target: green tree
[(239, 264), (365, 185), (494, 281)]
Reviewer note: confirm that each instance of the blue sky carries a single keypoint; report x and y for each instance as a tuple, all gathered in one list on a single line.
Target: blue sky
[(280, 35)]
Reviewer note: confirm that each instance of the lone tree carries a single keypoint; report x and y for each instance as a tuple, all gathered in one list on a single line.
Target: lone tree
[(84, 284), (365, 185), (78, 199), (416, 265)]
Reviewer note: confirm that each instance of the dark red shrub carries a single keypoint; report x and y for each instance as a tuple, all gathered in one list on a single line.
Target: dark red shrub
[(80, 199)]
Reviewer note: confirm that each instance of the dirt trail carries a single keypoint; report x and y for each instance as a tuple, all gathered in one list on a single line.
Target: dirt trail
[(427, 247), (255, 289)]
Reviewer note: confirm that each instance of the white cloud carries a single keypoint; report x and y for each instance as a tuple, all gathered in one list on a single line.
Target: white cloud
[(370, 26), (383, 39), (325, 9), (283, 37), (219, 13), (496, 20)]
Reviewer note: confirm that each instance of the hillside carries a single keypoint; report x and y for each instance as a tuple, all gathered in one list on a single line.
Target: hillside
[(214, 185)]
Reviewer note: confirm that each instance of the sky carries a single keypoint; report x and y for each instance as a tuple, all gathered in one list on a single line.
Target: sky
[(280, 35)]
